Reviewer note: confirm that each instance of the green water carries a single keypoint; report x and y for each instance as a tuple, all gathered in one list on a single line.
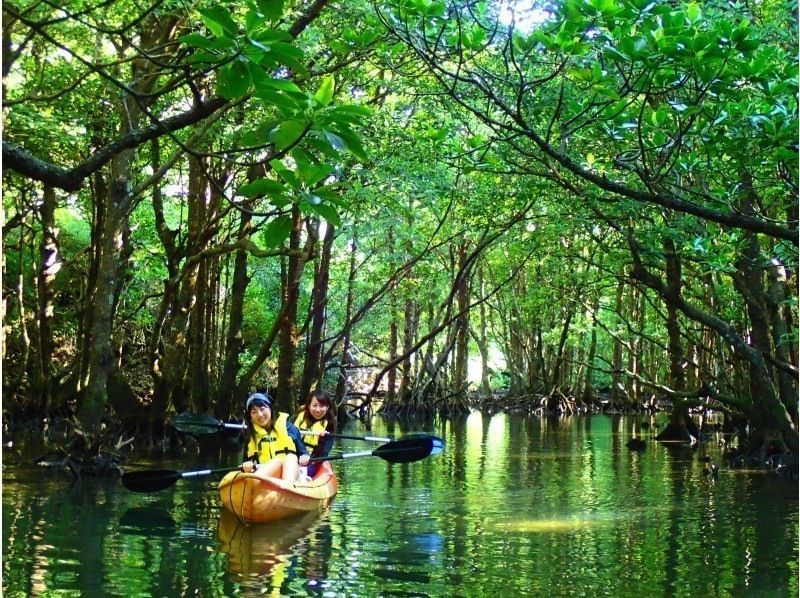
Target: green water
[(513, 507)]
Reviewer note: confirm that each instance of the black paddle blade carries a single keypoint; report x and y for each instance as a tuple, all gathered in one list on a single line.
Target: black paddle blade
[(412, 448), (150, 480), (197, 424)]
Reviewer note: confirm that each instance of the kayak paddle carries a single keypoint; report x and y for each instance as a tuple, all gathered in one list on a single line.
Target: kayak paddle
[(199, 424), (406, 450), (151, 480)]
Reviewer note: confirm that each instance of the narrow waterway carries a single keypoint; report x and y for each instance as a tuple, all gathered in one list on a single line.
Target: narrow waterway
[(513, 507)]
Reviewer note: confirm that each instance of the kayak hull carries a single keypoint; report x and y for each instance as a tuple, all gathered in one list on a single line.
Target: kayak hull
[(258, 498)]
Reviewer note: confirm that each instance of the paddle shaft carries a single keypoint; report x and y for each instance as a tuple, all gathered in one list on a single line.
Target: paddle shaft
[(312, 433), (217, 425), (343, 456), (396, 451), (201, 472)]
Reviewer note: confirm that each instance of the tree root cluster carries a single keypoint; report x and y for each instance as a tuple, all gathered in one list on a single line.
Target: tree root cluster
[(69, 449), (103, 464)]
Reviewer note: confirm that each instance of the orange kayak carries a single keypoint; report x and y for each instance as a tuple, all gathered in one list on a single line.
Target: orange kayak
[(256, 498)]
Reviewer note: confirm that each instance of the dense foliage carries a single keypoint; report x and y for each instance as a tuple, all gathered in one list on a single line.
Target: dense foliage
[(575, 202)]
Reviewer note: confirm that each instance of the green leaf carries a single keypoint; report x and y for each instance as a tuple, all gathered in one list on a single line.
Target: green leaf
[(660, 116), (747, 45), (315, 174), (287, 133), (267, 36), (348, 114), (261, 187), (329, 193), (259, 135), (336, 142), (272, 9), (282, 84), (196, 40), (259, 45), (740, 33), (287, 105), (253, 19), (310, 198), (202, 57), (324, 94), (286, 55), (434, 9), (352, 142), (278, 231), (286, 174), (222, 43), (234, 80), (693, 13), (329, 213), (319, 141), (219, 21)]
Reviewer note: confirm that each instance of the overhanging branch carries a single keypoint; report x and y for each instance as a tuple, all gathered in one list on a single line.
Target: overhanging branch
[(20, 160)]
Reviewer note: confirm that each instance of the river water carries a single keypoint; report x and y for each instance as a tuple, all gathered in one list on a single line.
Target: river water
[(513, 507)]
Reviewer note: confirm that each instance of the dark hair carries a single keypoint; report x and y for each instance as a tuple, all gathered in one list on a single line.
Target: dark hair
[(324, 398), (259, 399)]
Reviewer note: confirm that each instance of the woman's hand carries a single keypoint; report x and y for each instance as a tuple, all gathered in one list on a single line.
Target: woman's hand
[(248, 467), (303, 460)]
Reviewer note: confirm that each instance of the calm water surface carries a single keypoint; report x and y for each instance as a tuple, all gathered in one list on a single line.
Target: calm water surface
[(513, 507)]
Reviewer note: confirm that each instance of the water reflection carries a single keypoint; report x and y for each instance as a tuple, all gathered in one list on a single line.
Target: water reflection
[(513, 506), (566, 524), (148, 521), (261, 549)]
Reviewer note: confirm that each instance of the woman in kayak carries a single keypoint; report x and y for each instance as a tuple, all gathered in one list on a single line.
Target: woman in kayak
[(274, 443), (316, 416)]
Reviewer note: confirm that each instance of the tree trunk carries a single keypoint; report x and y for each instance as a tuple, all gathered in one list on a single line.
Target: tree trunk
[(777, 294), (228, 400), (198, 339), (616, 356), (178, 332), (104, 300), (49, 265), (110, 230), (482, 341), (313, 369), (769, 416), (409, 334), (394, 340), (749, 281), (343, 382), (680, 425), (460, 368), (555, 378), (288, 336), (588, 392)]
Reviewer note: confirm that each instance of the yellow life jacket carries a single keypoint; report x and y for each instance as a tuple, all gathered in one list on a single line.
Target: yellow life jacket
[(271, 445), (310, 440)]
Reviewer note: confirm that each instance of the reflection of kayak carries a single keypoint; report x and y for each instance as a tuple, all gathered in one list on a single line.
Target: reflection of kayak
[(255, 497), (261, 548)]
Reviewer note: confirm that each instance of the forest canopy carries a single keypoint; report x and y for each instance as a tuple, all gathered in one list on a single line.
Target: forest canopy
[(435, 204)]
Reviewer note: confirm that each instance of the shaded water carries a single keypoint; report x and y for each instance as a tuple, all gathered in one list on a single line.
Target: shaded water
[(514, 506)]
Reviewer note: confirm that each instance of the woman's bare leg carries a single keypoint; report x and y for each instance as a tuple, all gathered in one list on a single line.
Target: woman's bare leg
[(270, 469), (290, 466)]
